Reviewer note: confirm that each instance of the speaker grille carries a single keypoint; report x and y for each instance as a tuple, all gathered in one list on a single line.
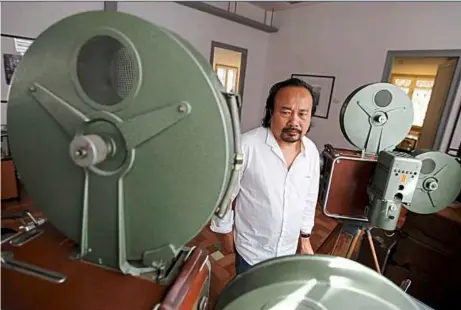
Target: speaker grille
[(105, 70), (428, 166)]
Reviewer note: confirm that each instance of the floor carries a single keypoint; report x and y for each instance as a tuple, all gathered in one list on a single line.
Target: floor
[(222, 262)]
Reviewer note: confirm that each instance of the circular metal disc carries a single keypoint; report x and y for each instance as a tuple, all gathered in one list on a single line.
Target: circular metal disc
[(376, 117), (158, 102), (312, 283), (439, 182)]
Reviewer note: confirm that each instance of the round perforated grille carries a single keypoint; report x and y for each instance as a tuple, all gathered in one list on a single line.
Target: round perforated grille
[(105, 70), (428, 166), (383, 98)]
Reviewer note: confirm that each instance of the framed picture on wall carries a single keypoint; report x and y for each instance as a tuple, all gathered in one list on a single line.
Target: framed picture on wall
[(13, 48), (323, 86)]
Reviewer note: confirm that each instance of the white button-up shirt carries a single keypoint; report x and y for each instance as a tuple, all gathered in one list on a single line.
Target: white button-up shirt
[(273, 203)]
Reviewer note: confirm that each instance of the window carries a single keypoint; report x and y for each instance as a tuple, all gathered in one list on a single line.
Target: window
[(228, 76), (419, 89)]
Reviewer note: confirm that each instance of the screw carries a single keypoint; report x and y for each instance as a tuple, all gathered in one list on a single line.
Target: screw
[(182, 108), (81, 153)]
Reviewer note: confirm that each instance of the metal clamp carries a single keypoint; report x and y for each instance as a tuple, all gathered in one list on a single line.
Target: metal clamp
[(8, 262), (225, 205), (27, 232)]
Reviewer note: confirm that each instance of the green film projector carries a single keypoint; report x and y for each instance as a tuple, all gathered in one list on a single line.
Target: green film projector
[(376, 118), (125, 140)]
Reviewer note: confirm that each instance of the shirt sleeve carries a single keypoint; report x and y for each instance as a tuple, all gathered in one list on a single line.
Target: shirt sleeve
[(226, 224), (311, 202)]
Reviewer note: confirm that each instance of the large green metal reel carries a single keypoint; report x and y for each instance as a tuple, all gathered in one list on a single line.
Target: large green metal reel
[(439, 182), (123, 137), (312, 283), (376, 117)]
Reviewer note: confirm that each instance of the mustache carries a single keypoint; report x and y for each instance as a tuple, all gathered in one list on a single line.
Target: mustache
[(286, 129)]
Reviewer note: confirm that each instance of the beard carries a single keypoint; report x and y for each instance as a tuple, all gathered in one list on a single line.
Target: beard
[(291, 135)]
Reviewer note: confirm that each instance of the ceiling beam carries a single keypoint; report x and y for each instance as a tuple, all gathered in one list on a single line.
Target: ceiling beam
[(210, 9), (110, 6)]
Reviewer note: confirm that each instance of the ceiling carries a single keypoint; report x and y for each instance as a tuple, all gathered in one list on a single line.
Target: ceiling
[(281, 5)]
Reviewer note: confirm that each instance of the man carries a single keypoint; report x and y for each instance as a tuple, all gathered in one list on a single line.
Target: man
[(278, 185)]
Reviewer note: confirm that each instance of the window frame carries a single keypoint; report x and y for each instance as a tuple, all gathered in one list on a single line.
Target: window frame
[(227, 68), (412, 87)]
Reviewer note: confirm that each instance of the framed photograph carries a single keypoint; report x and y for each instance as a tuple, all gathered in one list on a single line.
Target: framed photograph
[(323, 88), (13, 48)]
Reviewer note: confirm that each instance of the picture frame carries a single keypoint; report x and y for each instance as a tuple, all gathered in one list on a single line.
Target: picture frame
[(323, 88), (13, 48)]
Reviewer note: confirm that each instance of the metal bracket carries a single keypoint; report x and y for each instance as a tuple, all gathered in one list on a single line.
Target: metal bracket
[(8, 262), (27, 232), (225, 205), (26, 237)]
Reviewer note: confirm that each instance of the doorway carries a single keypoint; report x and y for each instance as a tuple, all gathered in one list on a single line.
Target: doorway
[(229, 63), (430, 79)]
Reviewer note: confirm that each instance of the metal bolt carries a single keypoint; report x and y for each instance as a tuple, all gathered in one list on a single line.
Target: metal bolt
[(431, 184), (81, 153), (182, 108)]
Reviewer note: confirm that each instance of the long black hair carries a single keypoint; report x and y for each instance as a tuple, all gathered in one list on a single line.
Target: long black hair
[(270, 101)]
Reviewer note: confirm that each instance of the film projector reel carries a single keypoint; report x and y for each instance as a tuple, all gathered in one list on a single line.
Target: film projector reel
[(125, 140), (367, 188)]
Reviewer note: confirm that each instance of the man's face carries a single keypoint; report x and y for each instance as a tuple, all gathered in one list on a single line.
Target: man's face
[(292, 113)]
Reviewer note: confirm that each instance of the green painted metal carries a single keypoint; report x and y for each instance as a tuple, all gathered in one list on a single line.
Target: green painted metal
[(172, 136), (313, 283), (376, 117), (439, 182)]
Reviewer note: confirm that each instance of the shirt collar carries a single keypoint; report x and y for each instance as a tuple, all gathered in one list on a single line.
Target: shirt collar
[(270, 140)]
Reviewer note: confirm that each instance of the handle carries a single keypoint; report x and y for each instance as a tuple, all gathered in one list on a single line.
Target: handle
[(233, 103), (9, 262)]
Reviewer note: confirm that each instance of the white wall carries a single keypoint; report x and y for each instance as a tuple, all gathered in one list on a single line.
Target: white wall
[(29, 19), (200, 29), (350, 41)]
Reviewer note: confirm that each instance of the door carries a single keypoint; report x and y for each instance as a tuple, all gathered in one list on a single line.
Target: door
[(436, 104)]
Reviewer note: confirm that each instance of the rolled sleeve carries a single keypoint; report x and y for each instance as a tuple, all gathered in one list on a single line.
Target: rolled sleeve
[(311, 202), (224, 225)]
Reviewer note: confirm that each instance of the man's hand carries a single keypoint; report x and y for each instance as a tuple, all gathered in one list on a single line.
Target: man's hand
[(229, 242), (305, 247)]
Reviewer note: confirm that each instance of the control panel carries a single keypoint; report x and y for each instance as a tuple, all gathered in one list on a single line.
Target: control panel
[(393, 184)]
